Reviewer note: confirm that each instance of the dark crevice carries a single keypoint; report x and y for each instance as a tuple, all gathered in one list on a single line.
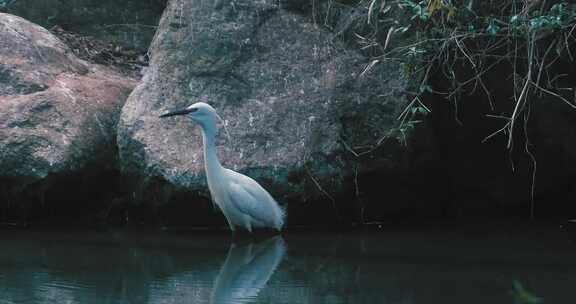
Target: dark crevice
[(12, 84)]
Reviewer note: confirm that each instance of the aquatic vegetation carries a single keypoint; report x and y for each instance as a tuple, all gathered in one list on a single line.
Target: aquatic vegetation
[(522, 295)]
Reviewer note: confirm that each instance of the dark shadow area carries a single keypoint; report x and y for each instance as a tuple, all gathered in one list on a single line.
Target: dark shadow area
[(485, 178)]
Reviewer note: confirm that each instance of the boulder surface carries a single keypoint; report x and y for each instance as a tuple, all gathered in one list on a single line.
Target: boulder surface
[(58, 114), (299, 115)]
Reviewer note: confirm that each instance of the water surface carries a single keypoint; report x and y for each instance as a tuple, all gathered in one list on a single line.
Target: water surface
[(422, 265)]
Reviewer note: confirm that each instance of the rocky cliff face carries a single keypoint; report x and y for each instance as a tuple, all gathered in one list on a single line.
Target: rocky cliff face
[(58, 114), (297, 108)]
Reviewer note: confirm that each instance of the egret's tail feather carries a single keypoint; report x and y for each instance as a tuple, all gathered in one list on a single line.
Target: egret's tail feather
[(281, 218)]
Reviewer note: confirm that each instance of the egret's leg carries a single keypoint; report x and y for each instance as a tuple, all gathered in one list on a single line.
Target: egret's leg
[(232, 228)]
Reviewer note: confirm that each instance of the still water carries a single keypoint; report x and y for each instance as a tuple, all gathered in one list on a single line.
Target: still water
[(420, 265)]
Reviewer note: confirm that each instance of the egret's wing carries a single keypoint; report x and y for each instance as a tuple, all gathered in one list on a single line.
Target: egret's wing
[(248, 204), (254, 200)]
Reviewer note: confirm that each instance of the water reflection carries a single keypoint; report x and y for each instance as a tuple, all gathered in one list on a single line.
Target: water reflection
[(406, 268), (243, 273), (246, 271)]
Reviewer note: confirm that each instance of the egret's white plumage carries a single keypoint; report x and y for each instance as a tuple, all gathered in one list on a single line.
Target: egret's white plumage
[(242, 200)]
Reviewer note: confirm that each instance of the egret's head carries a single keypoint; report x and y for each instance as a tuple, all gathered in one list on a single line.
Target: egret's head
[(200, 112)]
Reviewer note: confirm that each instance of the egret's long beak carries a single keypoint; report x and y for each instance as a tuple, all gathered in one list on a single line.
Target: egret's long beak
[(176, 112)]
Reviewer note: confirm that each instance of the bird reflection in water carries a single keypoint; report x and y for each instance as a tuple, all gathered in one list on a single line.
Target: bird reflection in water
[(246, 271)]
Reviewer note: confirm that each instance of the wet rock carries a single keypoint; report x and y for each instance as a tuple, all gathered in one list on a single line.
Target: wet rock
[(302, 118), (58, 114)]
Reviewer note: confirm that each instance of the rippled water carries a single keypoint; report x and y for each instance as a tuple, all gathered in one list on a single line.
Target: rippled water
[(439, 265)]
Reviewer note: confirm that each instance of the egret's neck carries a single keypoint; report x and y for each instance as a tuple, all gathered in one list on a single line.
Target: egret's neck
[(211, 162)]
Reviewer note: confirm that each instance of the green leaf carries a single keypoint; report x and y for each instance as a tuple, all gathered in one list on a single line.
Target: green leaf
[(422, 110), (492, 28)]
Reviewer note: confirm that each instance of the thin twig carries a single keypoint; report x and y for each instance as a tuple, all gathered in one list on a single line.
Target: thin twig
[(347, 147), (523, 94), (533, 158), (543, 62), (503, 129), (555, 95), (465, 53), (320, 187)]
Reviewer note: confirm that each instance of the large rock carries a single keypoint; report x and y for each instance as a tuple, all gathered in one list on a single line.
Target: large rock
[(58, 114), (293, 100)]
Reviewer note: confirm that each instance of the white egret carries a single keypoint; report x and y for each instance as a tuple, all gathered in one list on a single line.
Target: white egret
[(241, 199)]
